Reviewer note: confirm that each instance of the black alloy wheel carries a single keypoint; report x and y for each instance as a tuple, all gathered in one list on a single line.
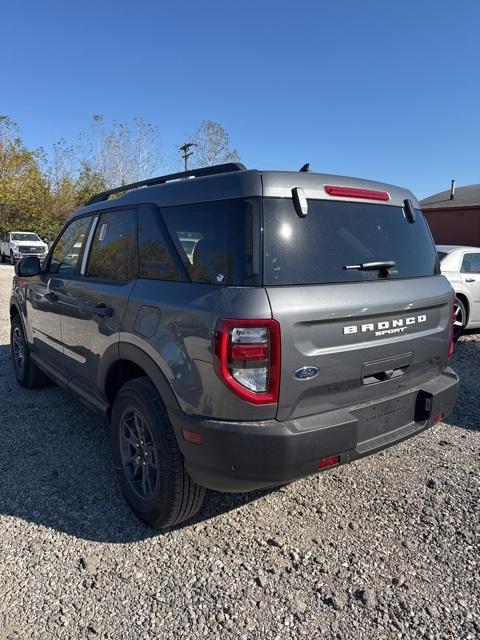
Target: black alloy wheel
[(139, 456)]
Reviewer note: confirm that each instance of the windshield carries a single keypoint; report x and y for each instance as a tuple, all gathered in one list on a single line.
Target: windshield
[(29, 237), (316, 249)]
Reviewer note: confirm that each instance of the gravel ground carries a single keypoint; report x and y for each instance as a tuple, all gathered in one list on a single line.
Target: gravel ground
[(387, 547)]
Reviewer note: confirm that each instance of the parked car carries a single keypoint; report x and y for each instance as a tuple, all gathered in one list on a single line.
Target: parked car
[(309, 326), (20, 244), (461, 265)]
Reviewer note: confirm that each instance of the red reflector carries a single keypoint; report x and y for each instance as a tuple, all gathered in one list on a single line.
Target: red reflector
[(451, 346), (192, 436), (328, 462), (438, 418), (249, 352), (353, 192)]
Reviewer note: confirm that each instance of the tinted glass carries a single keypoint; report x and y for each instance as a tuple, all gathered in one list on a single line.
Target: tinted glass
[(113, 252), (316, 249), (155, 260), (66, 256), (441, 255), (471, 263), (219, 242)]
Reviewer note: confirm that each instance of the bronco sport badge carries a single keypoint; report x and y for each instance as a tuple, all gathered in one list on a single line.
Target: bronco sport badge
[(386, 327)]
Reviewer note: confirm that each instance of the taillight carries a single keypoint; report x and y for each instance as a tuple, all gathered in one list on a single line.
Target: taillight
[(451, 346), (354, 192), (247, 358)]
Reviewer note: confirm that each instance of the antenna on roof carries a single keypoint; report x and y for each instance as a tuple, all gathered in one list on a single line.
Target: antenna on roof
[(305, 168), (452, 189)]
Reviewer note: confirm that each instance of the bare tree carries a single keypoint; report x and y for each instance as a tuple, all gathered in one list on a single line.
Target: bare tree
[(212, 145), (123, 153)]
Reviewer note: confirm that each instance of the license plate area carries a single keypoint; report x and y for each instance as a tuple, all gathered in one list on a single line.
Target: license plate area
[(382, 417)]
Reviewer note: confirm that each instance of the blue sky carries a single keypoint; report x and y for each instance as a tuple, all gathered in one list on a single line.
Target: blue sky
[(379, 89)]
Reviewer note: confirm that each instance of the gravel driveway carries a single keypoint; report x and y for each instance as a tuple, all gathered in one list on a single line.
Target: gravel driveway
[(387, 547)]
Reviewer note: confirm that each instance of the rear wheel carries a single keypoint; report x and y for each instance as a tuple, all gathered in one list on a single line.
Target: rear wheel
[(147, 459), (459, 318), (27, 373)]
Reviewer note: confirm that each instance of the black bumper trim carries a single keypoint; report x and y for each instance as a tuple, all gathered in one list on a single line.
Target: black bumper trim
[(243, 456)]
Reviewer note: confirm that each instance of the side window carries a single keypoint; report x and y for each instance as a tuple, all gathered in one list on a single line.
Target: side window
[(66, 256), (113, 253), (471, 263), (217, 240), (155, 260)]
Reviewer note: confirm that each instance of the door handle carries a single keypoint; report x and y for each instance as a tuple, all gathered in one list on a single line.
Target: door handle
[(50, 296), (103, 311), (469, 279)]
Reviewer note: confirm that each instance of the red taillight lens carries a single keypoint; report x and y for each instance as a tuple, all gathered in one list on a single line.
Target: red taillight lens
[(353, 192), (247, 358), (451, 346)]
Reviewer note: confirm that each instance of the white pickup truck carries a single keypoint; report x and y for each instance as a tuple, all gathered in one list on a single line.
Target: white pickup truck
[(20, 244)]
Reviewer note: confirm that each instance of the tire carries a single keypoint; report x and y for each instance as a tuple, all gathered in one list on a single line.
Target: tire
[(460, 317), (155, 483), (27, 373), (2, 258), (12, 259)]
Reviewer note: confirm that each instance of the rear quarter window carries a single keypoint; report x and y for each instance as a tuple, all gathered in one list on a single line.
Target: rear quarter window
[(315, 249), (219, 242)]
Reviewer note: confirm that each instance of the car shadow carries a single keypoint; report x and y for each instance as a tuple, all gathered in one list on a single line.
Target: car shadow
[(466, 363), (56, 467)]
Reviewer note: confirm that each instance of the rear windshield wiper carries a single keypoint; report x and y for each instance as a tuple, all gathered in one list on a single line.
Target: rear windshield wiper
[(371, 266)]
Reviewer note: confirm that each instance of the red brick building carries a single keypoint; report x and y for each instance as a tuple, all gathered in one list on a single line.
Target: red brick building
[(454, 215)]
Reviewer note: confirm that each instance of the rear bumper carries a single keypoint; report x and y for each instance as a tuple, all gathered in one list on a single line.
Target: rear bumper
[(243, 456)]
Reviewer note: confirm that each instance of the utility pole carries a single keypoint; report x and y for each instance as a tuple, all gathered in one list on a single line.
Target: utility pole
[(186, 152)]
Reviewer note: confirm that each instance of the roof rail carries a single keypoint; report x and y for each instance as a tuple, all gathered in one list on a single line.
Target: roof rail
[(193, 173)]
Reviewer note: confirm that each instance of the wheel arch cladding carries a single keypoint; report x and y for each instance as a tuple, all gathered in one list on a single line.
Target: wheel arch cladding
[(127, 363)]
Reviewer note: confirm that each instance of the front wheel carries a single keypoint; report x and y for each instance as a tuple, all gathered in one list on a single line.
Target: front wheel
[(27, 373), (147, 459), (459, 318)]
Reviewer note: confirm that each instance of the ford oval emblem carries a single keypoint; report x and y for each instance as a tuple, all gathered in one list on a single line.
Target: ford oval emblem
[(306, 373)]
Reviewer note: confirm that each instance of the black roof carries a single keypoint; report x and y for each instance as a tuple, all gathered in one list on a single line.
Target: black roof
[(464, 197)]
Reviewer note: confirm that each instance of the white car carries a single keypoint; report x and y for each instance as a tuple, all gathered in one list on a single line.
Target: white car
[(461, 266), (21, 244)]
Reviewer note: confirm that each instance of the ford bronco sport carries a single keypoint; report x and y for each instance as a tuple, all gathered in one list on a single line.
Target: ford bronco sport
[(240, 328)]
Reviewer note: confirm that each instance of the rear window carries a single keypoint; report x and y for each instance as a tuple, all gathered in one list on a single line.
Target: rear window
[(442, 255), (315, 249), (219, 242)]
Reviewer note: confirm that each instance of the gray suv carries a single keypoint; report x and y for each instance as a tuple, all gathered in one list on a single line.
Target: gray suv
[(239, 328)]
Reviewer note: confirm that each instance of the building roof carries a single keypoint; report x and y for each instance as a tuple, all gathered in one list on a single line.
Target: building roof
[(468, 196)]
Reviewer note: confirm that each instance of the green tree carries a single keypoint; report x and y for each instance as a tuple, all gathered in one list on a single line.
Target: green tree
[(23, 188)]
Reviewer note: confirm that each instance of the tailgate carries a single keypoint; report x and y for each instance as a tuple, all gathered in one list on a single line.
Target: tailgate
[(368, 340)]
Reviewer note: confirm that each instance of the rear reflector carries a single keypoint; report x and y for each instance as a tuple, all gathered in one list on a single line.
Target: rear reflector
[(192, 436), (352, 192), (328, 462), (451, 346)]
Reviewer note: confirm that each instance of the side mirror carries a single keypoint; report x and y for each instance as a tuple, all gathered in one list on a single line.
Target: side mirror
[(28, 267)]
